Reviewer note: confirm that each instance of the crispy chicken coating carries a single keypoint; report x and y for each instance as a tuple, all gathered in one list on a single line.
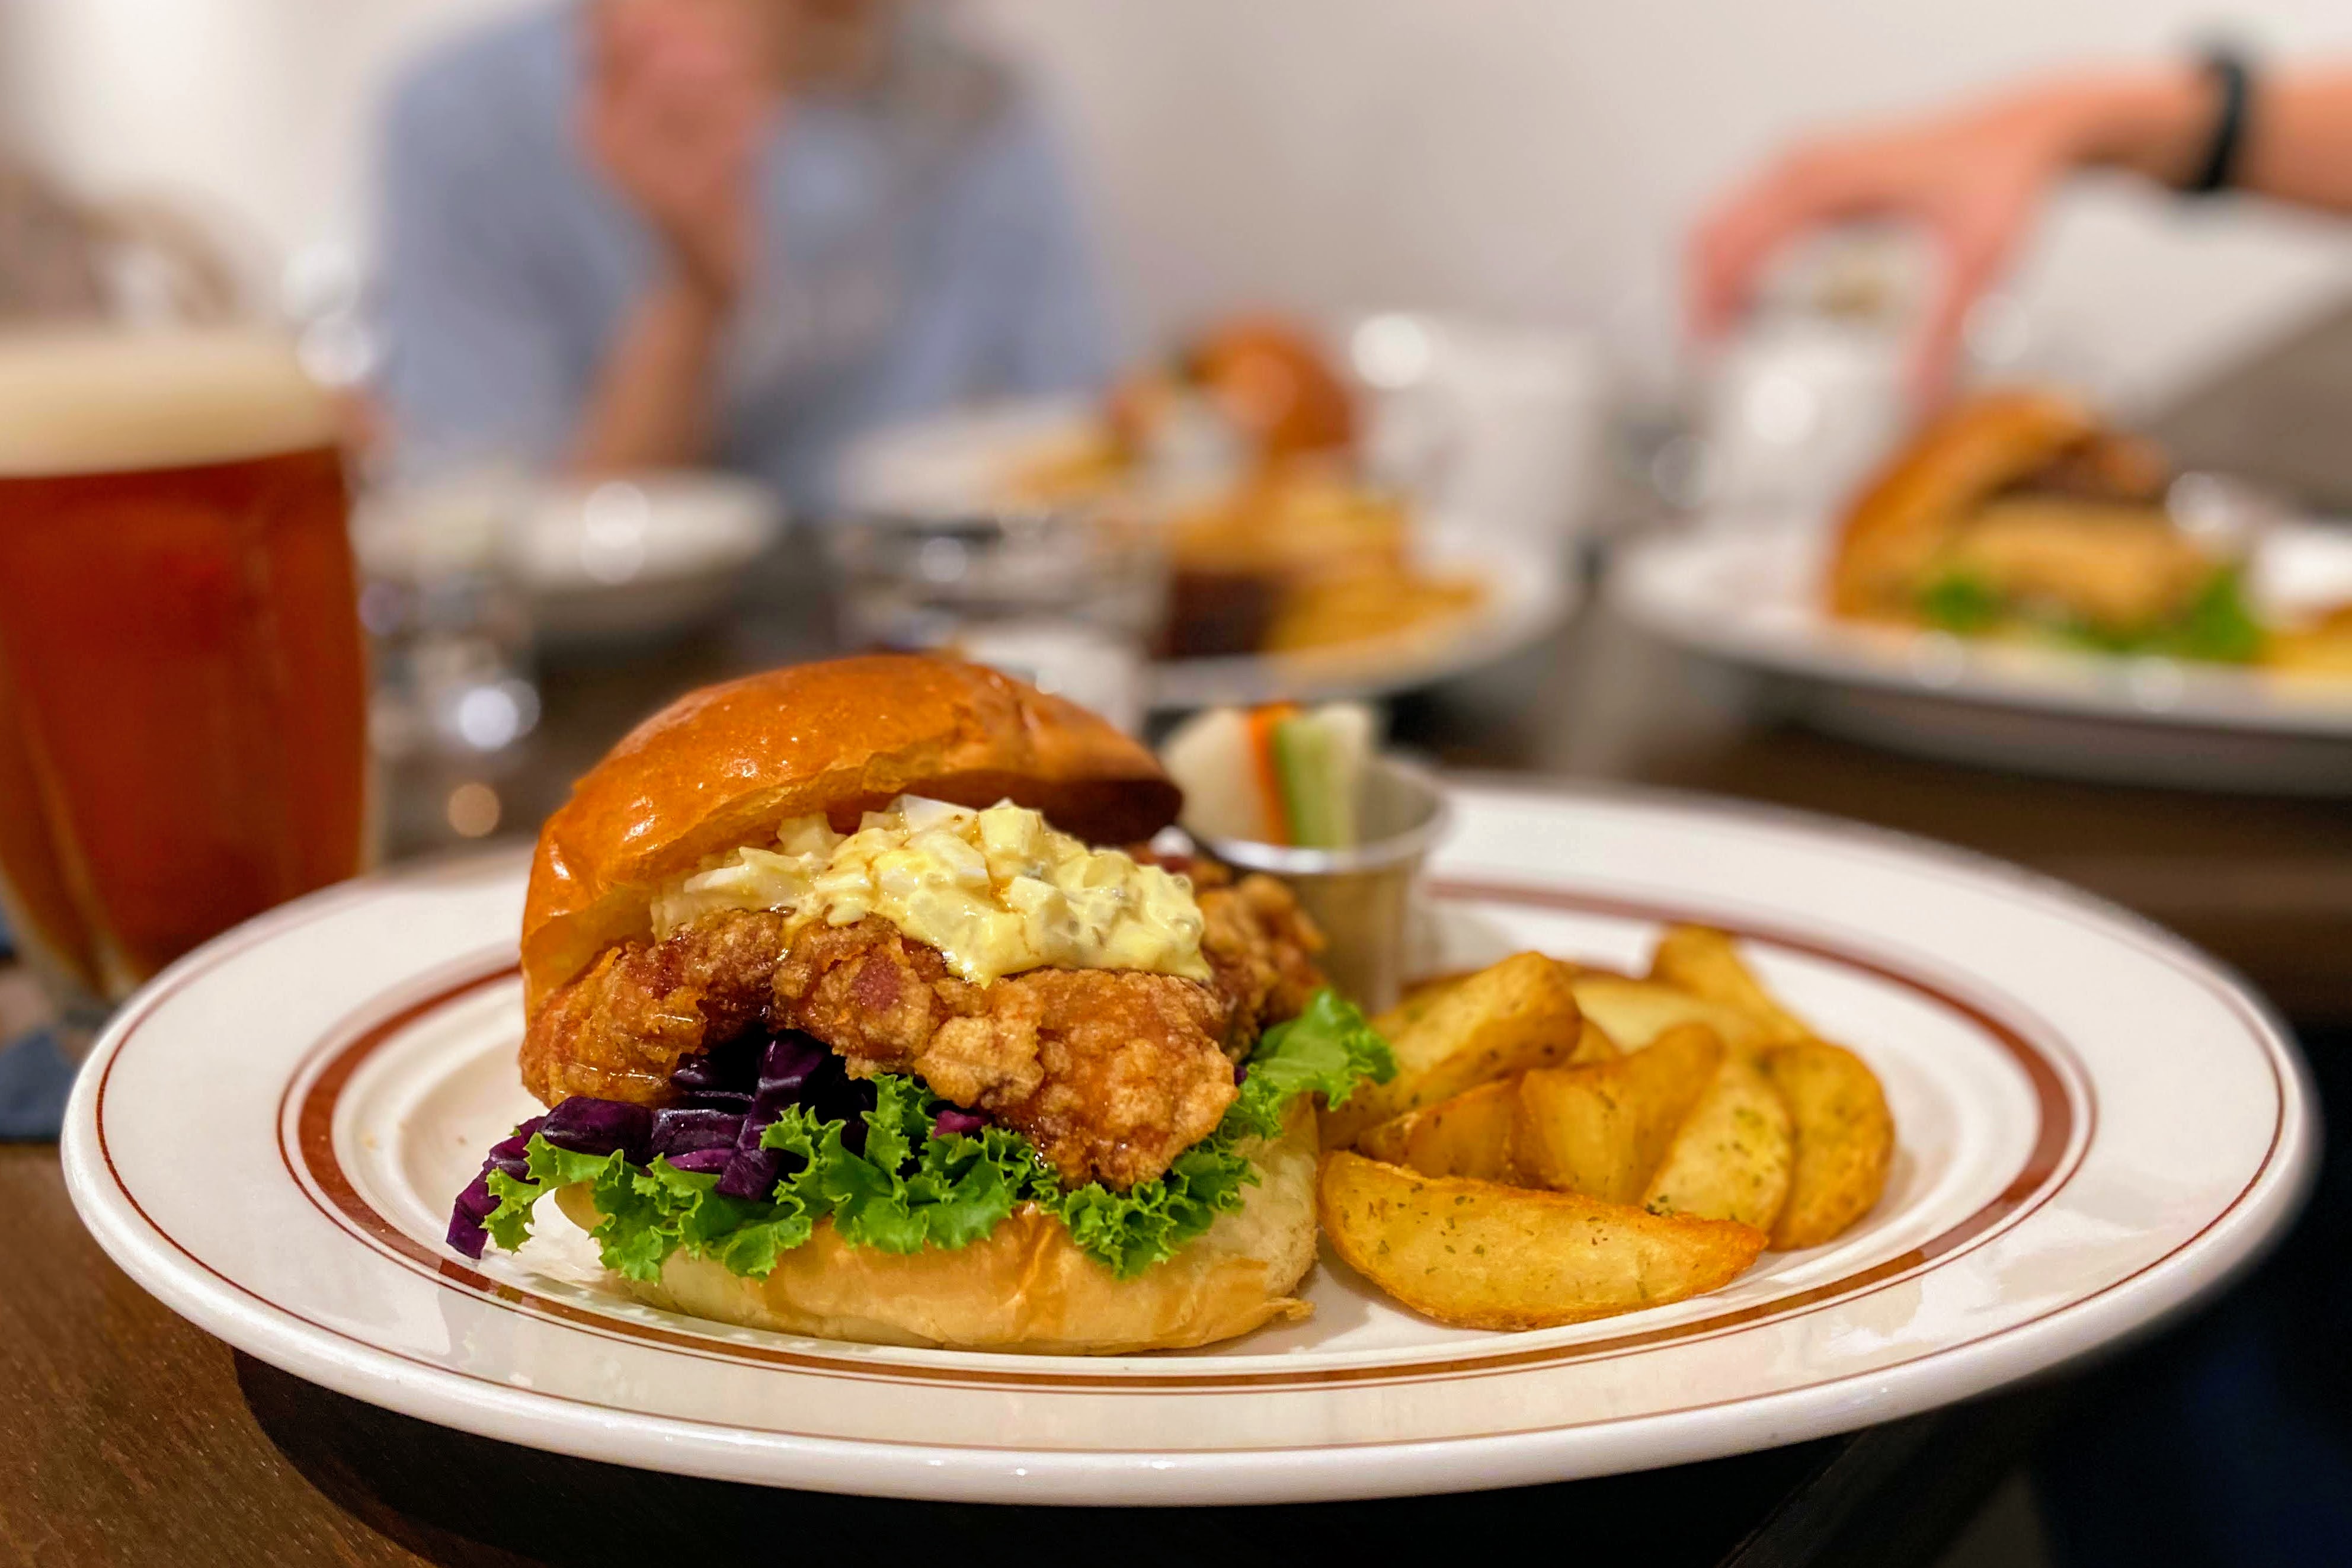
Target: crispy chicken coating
[(617, 1032), (1261, 949), (1111, 1073)]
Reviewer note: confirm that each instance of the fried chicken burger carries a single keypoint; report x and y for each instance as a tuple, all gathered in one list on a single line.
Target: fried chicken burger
[(853, 1021), (2018, 513)]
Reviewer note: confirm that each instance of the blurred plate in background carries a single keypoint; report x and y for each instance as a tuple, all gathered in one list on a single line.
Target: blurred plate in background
[(641, 557), (1434, 541), (1750, 595), (1526, 594), (634, 557)]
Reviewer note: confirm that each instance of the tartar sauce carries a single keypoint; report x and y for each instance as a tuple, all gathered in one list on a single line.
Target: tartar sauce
[(995, 891)]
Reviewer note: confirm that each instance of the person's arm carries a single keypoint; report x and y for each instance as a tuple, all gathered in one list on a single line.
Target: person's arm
[(651, 403), (2299, 140), (1976, 178), (672, 115)]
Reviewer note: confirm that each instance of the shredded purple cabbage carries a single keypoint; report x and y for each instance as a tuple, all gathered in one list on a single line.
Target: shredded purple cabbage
[(732, 1065), (789, 1067), (506, 1154), (725, 1098), (586, 1125), (681, 1131), (473, 1206)]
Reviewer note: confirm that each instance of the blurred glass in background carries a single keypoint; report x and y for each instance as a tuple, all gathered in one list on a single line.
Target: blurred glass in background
[(1070, 598), (454, 698)]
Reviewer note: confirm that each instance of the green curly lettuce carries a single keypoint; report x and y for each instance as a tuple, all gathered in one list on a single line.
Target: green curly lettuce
[(2218, 625), (911, 1186), (1961, 603), (651, 1211)]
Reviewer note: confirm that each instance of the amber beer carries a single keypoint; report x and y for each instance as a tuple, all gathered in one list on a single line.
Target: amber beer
[(182, 689)]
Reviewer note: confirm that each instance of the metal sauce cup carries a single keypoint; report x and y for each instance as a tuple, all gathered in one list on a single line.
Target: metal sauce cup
[(1366, 897)]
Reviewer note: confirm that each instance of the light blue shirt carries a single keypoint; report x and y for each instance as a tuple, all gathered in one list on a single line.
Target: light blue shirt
[(919, 249)]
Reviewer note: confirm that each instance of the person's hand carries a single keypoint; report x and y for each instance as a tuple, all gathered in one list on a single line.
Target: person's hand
[(675, 106), (1974, 180)]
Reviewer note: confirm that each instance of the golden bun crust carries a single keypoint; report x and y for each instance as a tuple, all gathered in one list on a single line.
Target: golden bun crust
[(1027, 1286), (726, 766), (1275, 383), (1904, 514)]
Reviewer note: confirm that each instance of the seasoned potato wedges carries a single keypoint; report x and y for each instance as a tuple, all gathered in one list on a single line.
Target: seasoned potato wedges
[(1468, 1135), (1516, 1014), (1844, 1140), (1633, 1012), (1599, 1130), (1706, 963), (1733, 1157), (1483, 1256)]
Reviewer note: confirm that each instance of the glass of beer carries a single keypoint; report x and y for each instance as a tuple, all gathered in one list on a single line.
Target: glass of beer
[(183, 685)]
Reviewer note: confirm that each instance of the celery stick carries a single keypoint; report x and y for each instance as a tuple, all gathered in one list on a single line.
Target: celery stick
[(1301, 765), (1318, 758)]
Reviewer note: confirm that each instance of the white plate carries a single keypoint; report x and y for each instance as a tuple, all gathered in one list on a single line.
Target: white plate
[(2096, 1126), (1751, 594), (967, 459)]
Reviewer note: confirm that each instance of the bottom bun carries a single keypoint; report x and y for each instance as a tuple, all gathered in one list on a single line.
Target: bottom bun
[(1027, 1286)]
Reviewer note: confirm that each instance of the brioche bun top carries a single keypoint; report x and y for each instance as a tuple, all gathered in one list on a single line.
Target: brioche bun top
[(728, 764), (1272, 381), (1960, 460)]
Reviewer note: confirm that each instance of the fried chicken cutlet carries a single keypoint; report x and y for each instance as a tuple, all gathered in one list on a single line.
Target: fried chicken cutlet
[(1111, 1073)]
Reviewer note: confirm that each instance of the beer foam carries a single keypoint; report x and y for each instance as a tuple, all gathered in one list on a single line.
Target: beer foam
[(89, 401)]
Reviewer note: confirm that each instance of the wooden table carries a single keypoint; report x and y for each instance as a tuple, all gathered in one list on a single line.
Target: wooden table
[(127, 1436)]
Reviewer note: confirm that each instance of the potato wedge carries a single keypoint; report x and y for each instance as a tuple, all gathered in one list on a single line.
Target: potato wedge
[(1844, 1140), (1635, 1011), (1601, 1130), (1516, 1014), (1733, 1157), (1468, 1135), (1592, 1045), (1417, 995), (1706, 963), (1479, 1254)]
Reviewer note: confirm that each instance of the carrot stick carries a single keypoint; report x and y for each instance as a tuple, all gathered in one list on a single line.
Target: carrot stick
[(1262, 722)]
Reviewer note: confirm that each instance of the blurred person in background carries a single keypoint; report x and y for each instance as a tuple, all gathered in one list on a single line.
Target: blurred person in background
[(632, 234), (1976, 176), (2229, 1441)]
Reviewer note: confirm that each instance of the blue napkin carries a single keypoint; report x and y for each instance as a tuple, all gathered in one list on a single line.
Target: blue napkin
[(34, 1078)]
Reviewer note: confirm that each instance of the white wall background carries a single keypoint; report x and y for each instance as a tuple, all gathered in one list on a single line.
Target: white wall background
[(1527, 158)]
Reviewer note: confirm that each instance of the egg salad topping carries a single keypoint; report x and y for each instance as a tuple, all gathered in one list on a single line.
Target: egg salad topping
[(996, 892)]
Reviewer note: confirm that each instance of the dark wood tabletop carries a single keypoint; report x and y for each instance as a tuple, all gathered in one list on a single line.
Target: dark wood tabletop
[(127, 1436)]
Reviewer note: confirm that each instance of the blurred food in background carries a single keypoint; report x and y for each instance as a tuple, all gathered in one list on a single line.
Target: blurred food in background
[(1299, 555), (1243, 447), (2019, 514)]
